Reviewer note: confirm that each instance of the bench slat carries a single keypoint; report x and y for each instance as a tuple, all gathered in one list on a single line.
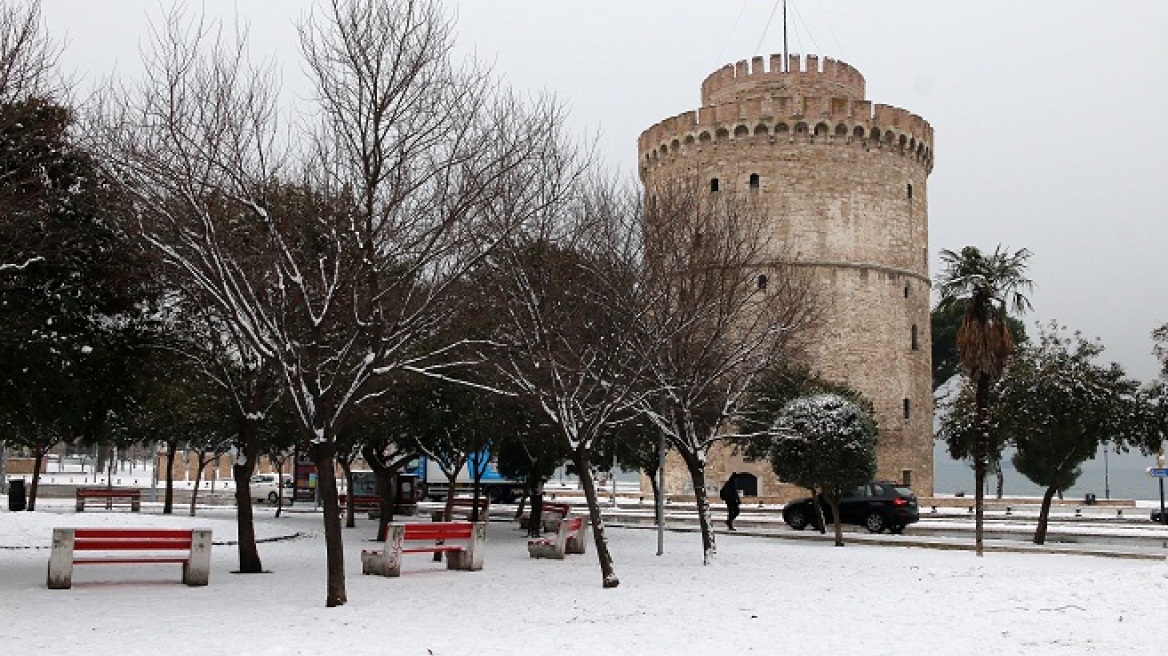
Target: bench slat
[(131, 544), (433, 549), (85, 533), (128, 561), (438, 531)]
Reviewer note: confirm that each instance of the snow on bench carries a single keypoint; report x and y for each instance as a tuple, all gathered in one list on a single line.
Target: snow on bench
[(570, 538), (121, 496), (550, 515), (129, 546), (466, 556)]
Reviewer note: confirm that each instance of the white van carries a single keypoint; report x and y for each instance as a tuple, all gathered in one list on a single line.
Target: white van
[(266, 487)]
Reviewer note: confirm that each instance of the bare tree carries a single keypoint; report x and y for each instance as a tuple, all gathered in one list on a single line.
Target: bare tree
[(28, 57), (28, 61), (722, 309), (332, 264), (249, 385), (567, 340)]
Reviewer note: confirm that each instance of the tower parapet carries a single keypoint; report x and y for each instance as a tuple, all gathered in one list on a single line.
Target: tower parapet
[(803, 77), (826, 120)]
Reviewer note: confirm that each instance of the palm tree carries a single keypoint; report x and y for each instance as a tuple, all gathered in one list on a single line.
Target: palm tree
[(990, 286)]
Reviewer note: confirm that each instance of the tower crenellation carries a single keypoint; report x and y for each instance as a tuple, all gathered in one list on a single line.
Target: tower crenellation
[(841, 121), (802, 77), (843, 182)]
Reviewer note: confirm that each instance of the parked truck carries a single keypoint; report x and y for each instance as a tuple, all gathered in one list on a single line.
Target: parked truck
[(433, 484)]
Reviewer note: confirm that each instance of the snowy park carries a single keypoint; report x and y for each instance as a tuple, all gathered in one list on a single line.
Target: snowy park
[(761, 595)]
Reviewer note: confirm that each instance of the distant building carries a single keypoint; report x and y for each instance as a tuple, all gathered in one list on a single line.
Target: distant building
[(844, 182)]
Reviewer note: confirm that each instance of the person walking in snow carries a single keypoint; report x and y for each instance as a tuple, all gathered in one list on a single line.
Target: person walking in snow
[(729, 494)]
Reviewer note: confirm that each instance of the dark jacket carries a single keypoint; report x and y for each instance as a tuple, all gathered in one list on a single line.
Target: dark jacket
[(729, 492)]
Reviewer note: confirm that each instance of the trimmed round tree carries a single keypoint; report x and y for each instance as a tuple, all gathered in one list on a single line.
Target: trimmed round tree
[(827, 444)]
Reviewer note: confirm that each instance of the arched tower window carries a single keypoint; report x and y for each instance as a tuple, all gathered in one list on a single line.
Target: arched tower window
[(713, 184), (754, 182)]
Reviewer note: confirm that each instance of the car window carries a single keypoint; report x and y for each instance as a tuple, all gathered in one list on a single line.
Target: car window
[(904, 491), (861, 491)]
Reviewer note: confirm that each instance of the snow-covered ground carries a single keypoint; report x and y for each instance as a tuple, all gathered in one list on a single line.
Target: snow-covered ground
[(761, 596)]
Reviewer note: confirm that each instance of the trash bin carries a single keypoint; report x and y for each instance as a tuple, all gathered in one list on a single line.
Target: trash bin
[(1090, 500), (16, 495)]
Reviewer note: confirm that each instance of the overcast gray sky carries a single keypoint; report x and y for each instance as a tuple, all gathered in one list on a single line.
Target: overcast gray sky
[(1049, 114)]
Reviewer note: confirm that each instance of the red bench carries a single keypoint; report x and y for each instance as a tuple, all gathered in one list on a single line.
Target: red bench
[(129, 546), (571, 533), (369, 503), (550, 515), (111, 495), (438, 535)]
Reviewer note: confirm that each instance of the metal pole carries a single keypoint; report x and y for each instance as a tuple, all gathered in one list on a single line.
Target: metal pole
[(1160, 464), (661, 495), (1163, 516), (786, 57), (1106, 476)]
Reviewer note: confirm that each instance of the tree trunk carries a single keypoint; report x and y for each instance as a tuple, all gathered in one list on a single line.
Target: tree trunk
[(198, 479), (168, 496), (383, 482), (241, 471), (448, 505), (834, 500), (607, 571), (37, 460), (1044, 516), (820, 518), (535, 519), (657, 505), (697, 474), (1001, 480), (980, 446), (350, 503), (324, 457)]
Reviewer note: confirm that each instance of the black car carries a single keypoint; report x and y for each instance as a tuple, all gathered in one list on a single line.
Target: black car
[(877, 506)]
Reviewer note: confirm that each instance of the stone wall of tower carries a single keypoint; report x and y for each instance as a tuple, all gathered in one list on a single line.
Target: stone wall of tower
[(845, 185)]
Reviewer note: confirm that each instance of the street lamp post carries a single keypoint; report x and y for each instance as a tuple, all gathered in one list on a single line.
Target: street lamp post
[(1106, 476)]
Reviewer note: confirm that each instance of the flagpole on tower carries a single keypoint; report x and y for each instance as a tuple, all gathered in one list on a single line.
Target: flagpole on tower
[(786, 59)]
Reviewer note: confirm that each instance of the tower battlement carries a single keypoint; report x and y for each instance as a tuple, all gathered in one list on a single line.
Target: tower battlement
[(804, 77), (793, 119)]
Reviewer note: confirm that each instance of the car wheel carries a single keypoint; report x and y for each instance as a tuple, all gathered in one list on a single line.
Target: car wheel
[(796, 518), (875, 522), (896, 529), (271, 497)]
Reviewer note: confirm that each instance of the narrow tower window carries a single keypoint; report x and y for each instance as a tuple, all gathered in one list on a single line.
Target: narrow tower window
[(762, 282), (909, 188), (713, 184), (915, 346), (754, 182), (907, 409)]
